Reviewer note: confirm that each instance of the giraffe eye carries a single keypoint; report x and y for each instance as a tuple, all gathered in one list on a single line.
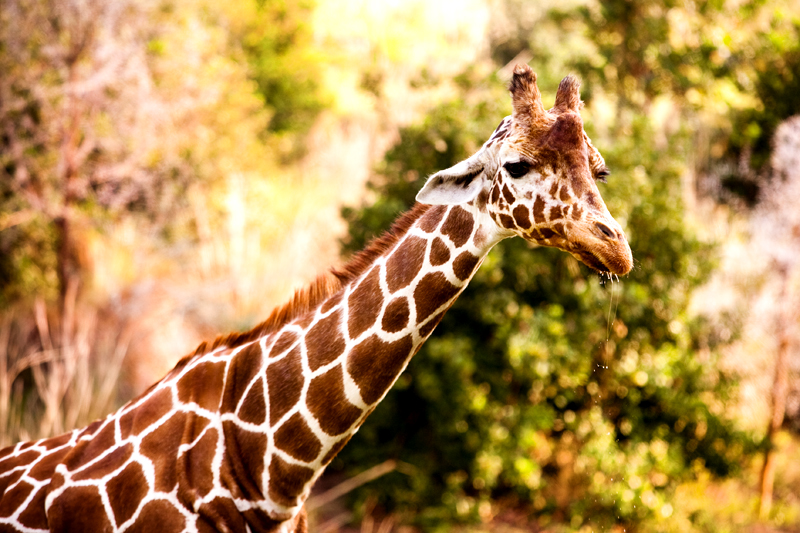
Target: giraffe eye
[(601, 175), (518, 169)]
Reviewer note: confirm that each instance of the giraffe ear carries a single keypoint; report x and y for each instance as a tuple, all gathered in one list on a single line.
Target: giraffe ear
[(456, 185)]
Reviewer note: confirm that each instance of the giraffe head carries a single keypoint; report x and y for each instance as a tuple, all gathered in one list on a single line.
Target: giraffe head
[(536, 177)]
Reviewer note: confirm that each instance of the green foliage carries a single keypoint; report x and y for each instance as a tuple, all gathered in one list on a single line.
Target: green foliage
[(775, 83), (543, 387), (284, 65)]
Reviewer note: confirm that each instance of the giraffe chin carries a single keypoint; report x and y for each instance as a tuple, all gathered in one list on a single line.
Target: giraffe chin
[(619, 264)]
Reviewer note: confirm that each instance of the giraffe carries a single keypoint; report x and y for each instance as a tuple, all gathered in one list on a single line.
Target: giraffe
[(233, 438)]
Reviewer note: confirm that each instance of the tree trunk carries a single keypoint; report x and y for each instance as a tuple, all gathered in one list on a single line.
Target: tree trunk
[(780, 390), (68, 262)]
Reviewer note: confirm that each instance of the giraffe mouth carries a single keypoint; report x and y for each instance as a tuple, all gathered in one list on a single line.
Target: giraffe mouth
[(608, 260), (591, 260)]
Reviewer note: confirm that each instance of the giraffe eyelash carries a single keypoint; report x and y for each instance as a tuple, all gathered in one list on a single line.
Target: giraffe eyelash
[(602, 175)]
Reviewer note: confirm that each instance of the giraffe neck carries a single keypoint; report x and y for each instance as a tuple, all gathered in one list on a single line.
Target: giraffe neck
[(237, 434), (326, 371)]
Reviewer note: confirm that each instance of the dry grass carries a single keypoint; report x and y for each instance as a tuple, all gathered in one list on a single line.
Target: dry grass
[(59, 368)]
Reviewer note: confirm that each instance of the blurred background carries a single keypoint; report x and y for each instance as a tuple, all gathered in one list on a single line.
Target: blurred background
[(173, 169)]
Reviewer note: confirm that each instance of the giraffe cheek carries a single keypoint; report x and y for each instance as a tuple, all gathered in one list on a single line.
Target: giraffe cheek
[(556, 212), (522, 217), (538, 210), (507, 195), (495, 196)]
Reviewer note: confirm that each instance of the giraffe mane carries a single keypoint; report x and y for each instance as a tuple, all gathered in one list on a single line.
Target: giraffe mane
[(307, 299)]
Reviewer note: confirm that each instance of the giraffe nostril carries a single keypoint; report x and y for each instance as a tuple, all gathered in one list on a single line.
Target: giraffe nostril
[(605, 230)]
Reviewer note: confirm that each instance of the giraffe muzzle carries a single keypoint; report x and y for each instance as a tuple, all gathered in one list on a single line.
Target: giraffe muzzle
[(602, 246)]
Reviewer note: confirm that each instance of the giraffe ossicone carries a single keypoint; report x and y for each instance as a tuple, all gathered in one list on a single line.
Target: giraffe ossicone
[(233, 438)]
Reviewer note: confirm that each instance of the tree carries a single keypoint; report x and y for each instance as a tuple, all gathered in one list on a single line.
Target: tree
[(776, 237), (80, 115)]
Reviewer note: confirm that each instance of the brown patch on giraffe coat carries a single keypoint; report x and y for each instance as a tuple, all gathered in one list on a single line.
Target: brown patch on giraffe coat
[(22, 459), (5, 452), (432, 292), (287, 481), (564, 193), (259, 520), (12, 499), (34, 515), (566, 134), (328, 404), (364, 304), (79, 509), (577, 213), (440, 254), (538, 210), (556, 213), (125, 491), (553, 189), (284, 383), (396, 315), (547, 233), (495, 195), (157, 515), (332, 302), (9, 479), (325, 341), (507, 194), (374, 365), (335, 449), (110, 462), (221, 514), (405, 263), (254, 407), (296, 438), (238, 474), (480, 200), (243, 368), (54, 442), (430, 220), (284, 342), (522, 217), (161, 447), (203, 385), (506, 221), (196, 463), (145, 415), (87, 450), (464, 265), (558, 228), (458, 226)]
